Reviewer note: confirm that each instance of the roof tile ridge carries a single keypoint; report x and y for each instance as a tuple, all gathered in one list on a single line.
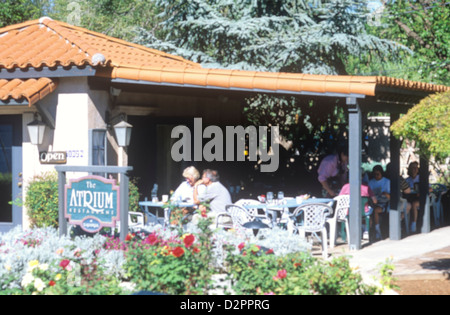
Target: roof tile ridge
[(60, 28), (124, 42), (19, 26)]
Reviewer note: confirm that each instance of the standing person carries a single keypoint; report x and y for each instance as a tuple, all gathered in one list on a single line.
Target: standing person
[(381, 187), (333, 172), (215, 193)]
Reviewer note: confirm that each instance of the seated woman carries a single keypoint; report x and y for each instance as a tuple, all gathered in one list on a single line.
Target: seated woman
[(381, 187), (367, 193), (413, 198), (185, 192)]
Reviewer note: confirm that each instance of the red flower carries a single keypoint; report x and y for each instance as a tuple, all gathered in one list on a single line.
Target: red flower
[(270, 251), (129, 237), (178, 252), (282, 274), (196, 250), (152, 239), (241, 246), (189, 240), (63, 264), (51, 283)]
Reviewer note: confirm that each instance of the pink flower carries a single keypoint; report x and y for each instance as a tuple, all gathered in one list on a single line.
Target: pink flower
[(152, 239), (64, 264), (282, 274)]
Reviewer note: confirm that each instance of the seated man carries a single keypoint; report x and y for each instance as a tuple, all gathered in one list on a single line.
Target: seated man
[(214, 193)]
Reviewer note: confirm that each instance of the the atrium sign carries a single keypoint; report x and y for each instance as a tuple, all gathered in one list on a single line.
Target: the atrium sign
[(92, 202)]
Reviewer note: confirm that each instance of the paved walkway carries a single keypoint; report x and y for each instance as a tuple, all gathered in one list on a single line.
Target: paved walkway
[(421, 256)]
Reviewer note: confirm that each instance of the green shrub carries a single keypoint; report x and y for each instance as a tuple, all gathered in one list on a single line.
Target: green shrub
[(42, 200), (258, 271), (175, 265)]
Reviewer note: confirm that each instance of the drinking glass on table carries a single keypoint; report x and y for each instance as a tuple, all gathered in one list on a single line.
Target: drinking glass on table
[(269, 197), (280, 195)]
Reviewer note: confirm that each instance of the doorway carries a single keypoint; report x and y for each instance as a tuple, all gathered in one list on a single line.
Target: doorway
[(10, 171)]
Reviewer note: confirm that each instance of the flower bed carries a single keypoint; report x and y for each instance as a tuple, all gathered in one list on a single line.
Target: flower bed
[(171, 262)]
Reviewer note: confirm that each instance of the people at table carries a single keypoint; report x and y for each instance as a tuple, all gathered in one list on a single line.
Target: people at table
[(214, 193), (333, 172), (185, 192), (381, 187)]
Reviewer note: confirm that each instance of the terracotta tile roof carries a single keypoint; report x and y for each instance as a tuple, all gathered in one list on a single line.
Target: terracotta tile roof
[(46, 42), (33, 90), (50, 43)]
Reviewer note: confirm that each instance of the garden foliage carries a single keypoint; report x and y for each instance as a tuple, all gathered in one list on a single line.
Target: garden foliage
[(171, 261)]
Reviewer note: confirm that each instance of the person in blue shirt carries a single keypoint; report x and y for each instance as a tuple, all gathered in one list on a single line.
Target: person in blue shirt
[(381, 187)]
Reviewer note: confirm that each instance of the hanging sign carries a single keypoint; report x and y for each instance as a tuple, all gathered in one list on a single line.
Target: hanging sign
[(92, 202), (53, 157)]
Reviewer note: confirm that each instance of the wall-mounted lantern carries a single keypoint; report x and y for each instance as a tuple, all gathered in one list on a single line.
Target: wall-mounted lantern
[(123, 133), (36, 130)]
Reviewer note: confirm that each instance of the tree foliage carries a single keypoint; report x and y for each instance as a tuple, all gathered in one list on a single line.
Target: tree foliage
[(17, 11), (428, 124), (422, 26), (117, 18), (272, 35)]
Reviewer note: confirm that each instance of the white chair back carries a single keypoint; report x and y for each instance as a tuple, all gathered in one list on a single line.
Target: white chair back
[(315, 215), (342, 207)]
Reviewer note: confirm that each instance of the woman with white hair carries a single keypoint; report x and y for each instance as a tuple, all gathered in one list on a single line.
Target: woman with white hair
[(185, 192)]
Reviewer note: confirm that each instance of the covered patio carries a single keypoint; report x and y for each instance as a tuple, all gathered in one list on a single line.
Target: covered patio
[(359, 96), (121, 78)]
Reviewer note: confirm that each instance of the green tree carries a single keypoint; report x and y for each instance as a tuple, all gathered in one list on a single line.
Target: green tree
[(17, 11), (422, 26), (117, 18), (272, 35), (428, 124)]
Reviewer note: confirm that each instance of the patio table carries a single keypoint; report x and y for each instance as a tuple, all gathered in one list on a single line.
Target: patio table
[(163, 205), (275, 208)]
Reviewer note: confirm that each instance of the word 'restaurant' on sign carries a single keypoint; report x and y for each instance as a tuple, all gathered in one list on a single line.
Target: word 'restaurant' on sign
[(92, 202)]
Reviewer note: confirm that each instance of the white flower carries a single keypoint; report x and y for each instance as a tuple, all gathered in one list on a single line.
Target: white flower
[(27, 280), (8, 267), (43, 267), (39, 285)]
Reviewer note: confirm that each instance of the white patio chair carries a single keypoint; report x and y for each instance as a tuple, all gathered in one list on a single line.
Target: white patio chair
[(314, 219), (435, 198), (135, 220), (340, 215), (403, 207), (239, 216), (256, 211)]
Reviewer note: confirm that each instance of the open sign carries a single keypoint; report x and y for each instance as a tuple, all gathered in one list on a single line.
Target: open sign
[(53, 157)]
